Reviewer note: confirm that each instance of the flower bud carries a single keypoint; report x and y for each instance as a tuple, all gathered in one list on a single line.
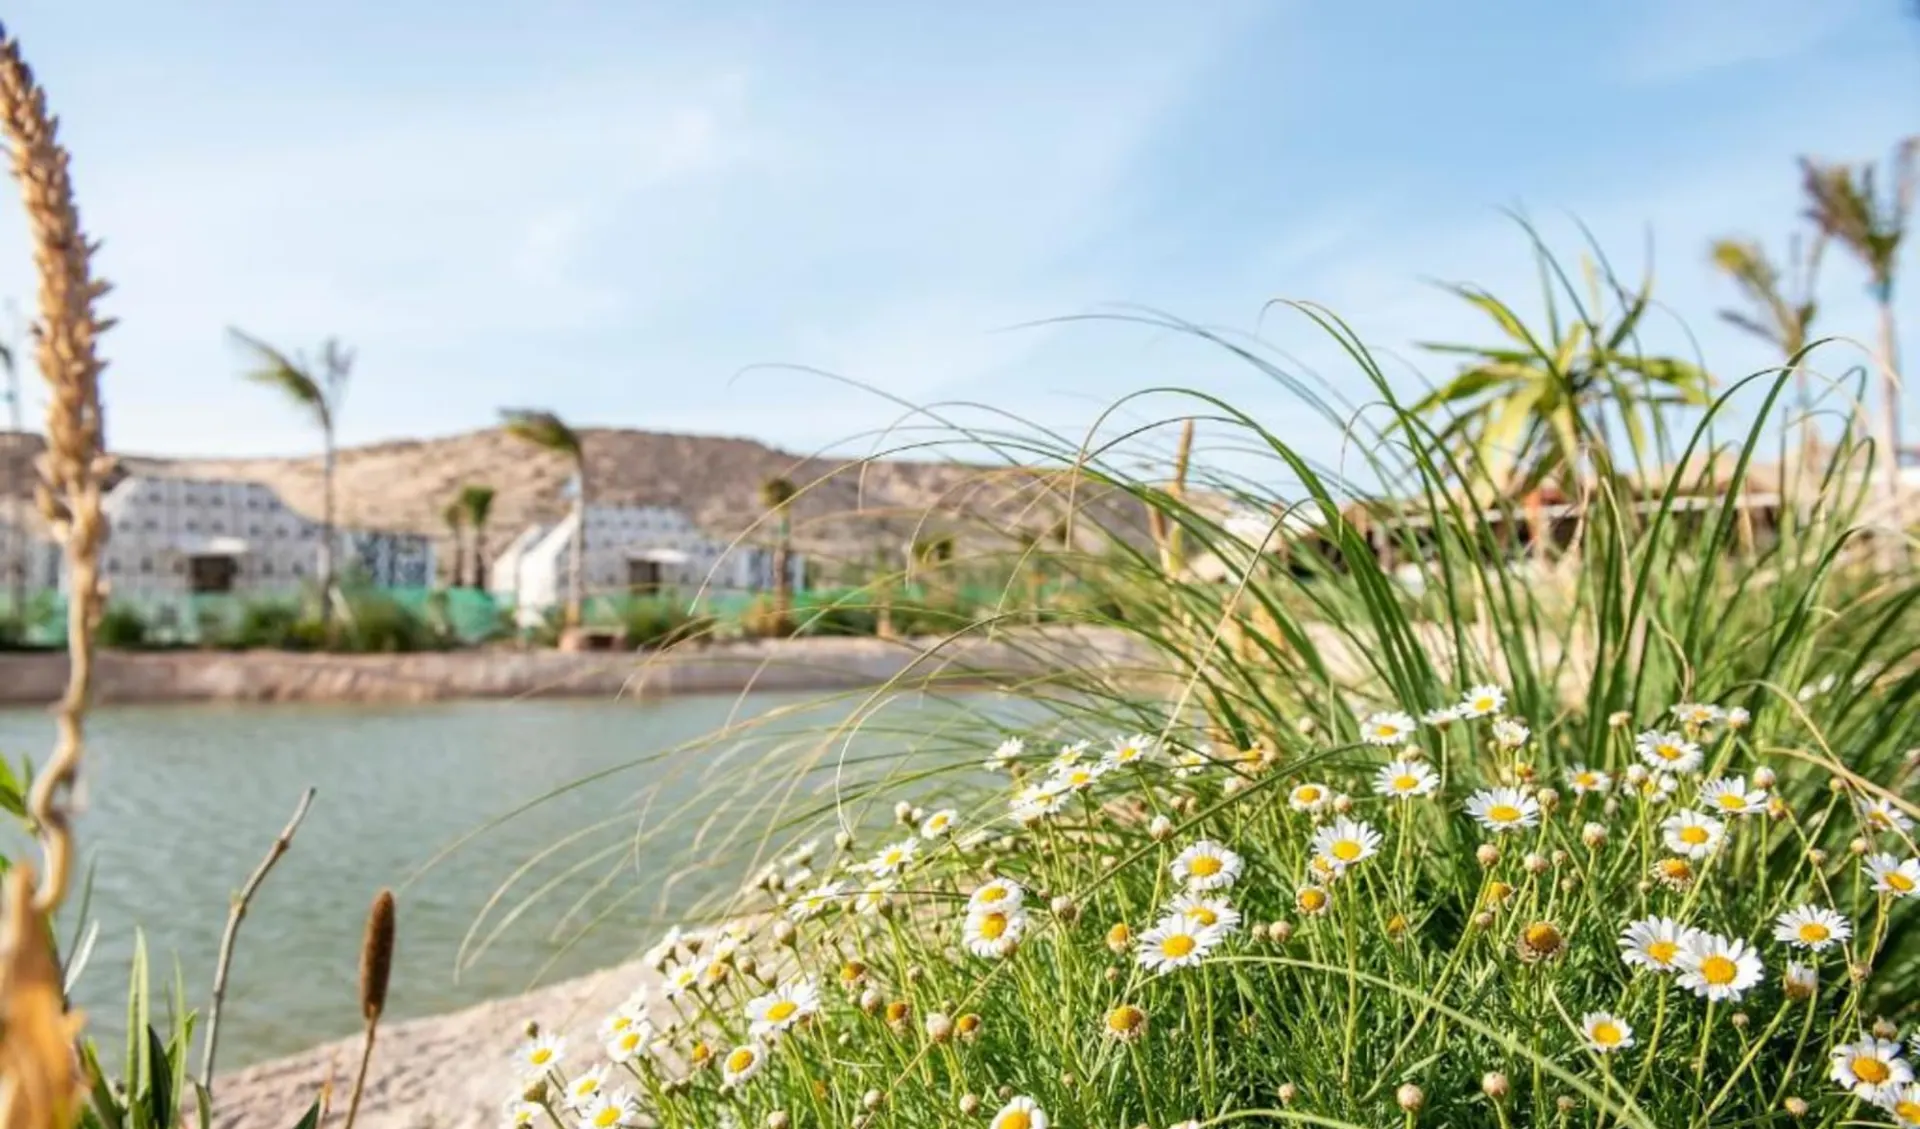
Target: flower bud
[(1549, 799), (1885, 1029), (1343, 803), (1487, 853), (1565, 1104), (1119, 937), (1763, 777), (939, 1027), (1288, 1092), (843, 839), (1619, 719), (903, 812), (870, 1100), (1535, 864), (1280, 932), (778, 1119), (1816, 856), (784, 933), (870, 1000), (1495, 1085), (1594, 835), (1410, 1097), (1739, 1019), (1064, 909), (1160, 829), (969, 1104), (1859, 847), (1796, 1107)]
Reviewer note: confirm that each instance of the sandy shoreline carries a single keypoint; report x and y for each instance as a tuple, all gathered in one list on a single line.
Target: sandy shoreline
[(121, 677), (450, 1071)]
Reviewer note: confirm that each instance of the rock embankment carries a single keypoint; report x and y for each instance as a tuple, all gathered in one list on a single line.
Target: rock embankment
[(774, 665)]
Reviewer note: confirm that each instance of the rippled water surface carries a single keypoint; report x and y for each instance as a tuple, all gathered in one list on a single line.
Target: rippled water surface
[(183, 801)]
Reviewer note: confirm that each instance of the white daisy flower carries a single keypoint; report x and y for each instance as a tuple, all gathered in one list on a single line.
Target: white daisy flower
[(1503, 809), (585, 1086), (679, 979), (871, 897), (1509, 734), (816, 902), (1863, 1066), (1006, 753), (1035, 802), (663, 950), (741, 1063), (783, 1008), (1697, 714), (1737, 717), (1405, 779), (1069, 755), (1902, 1101), (1442, 717), (1588, 781), (1718, 968), (1391, 728), (938, 824), (1880, 815), (1176, 943), (1668, 751), (630, 1043), (1800, 980), (1020, 1113), (802, 854), (1692, 834), (1730, 795), (520, 1113), (1213, 913), (1605, 1032), (1482, 701), (607, 1111), (994, 932), (1309, 797), (998, 893), (1654, 787), (1206, 866), (1893, 876), (1812, 927), (1137, 749), (893, 859), (1191, 762), (1077, 777), (1345, 842), (542, 1053), (1655, 943)]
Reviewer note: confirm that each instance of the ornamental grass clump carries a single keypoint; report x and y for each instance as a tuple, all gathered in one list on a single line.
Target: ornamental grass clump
[(1414, 819)]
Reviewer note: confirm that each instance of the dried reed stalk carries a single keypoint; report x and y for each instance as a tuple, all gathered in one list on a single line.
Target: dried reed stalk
[(39, 1083), (376, 967)]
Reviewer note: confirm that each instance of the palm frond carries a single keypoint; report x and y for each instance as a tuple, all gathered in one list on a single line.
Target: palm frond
[(275, 369), (476, 504), (542, 429)]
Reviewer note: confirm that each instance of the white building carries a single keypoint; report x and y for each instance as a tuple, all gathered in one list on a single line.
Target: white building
[(29, 562), (172, 537), (631, 549)]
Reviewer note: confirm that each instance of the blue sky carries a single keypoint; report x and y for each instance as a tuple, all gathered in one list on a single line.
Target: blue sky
[(613, 209)]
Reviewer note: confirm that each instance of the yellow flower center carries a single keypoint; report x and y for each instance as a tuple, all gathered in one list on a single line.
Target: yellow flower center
[(937, 823), (540, 1056), (1119, 934), (1016, 1119), (1405, 782), (1899, 882), (1668, 752), (1813, 933), (1483, 705), (1125, 1019), (1503, 813), (1307, 794), (1676, 869), (1204, 866), (630, 1041), (1693, 834), (607, 1117), (1346, 850), (1178, 945), (782, 1010), (1312, 899), (740, 1059), (1586, 780), (1907, 1110), (1662, 952), (1542, 937), (991, 894), (1732, 801), (1718, 970), (586, 1086), (1870, 1070), (891, 858), (1203, 915), (992, 925), (1385, 729), (1606, 1034)]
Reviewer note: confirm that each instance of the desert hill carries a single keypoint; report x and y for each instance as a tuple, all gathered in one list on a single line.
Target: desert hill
[(845, 510)]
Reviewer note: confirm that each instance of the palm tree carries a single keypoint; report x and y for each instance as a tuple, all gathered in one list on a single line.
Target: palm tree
[(314, 388), (456, 519), (1844, 204), (1529, 411), (1781, 306), (775, 495), (476, 503), (545, 430)]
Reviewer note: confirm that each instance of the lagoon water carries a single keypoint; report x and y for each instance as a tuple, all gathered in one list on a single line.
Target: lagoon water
[(182, 802)]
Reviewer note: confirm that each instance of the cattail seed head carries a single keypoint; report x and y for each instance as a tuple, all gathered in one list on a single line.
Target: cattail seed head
[(376, 957)]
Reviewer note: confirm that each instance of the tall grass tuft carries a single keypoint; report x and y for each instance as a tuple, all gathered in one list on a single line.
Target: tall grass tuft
[(1360, 796), (39, 1085)]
